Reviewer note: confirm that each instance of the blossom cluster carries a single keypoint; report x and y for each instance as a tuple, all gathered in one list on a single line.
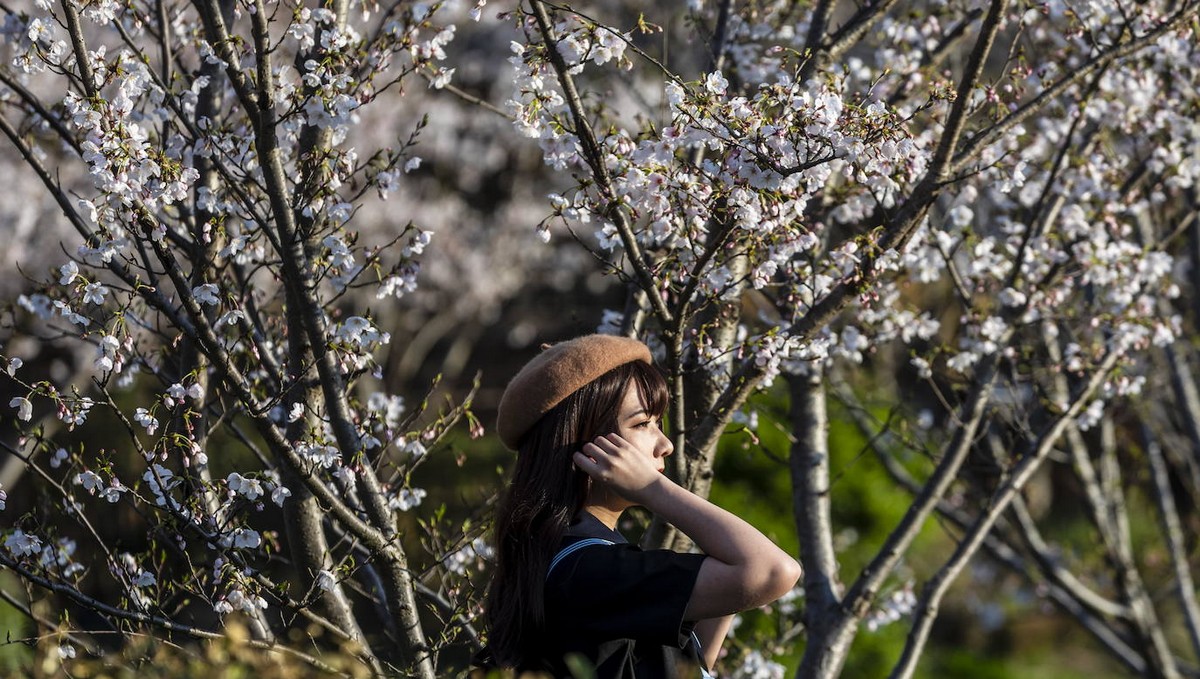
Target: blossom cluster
[(117, 146), (756, 665), (895, 606), (357, 338), (239, 599), (44, 556), (252, 488), (468, 556)]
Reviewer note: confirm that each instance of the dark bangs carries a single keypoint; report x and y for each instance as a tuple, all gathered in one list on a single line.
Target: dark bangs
[(650, 385)]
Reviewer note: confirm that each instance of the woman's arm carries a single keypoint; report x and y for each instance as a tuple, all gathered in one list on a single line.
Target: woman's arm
[(711, 633), (744, 569)]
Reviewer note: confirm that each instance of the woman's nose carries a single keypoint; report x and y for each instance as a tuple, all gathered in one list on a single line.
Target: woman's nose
[(665, 447)]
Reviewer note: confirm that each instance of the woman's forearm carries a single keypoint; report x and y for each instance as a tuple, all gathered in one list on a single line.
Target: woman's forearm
[(744, 569), (717, 532), (711, 633)]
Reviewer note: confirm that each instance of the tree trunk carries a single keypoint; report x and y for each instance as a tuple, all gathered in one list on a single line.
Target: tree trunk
[(809, 464)]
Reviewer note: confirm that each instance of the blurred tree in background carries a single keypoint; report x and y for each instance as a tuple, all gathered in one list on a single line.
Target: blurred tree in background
[(912, 270)]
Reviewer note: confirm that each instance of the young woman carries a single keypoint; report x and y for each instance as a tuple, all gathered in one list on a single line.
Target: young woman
[(568, 591)]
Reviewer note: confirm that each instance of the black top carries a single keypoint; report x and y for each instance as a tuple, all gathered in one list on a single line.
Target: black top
[(620, 608)]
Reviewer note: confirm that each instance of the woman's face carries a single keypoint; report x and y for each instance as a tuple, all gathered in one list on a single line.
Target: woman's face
[(641, 428)]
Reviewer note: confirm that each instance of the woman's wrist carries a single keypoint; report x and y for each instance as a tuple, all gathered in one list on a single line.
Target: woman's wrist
[(659, 496)]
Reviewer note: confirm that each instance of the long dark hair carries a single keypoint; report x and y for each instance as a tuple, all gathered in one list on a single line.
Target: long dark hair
[(545, 493)]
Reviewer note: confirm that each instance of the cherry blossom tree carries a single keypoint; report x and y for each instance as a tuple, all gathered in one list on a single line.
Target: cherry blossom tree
[(200, 153), (977, 218)]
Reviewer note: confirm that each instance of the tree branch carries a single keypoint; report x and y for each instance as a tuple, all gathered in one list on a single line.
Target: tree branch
[(1061, 593), (595, 160), (862, 592), (938, 585), (1164, 499)]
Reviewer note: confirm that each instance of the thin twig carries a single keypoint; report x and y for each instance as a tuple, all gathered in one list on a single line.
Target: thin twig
[(939, 584), (595, 159), (1164, 498)]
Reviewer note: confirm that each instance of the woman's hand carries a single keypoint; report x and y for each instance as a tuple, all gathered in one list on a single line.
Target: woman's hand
[(617, 463)]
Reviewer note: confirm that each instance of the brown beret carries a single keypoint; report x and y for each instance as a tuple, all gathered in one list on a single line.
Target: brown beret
[(555, 374)]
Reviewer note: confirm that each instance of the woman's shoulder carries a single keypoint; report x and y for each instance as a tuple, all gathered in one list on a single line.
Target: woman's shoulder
[(593, 568)]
